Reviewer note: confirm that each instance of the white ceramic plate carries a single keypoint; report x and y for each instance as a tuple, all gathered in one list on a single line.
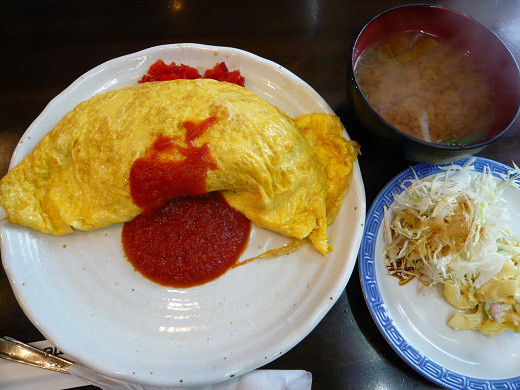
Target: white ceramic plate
[(415, 324), (84, 296)]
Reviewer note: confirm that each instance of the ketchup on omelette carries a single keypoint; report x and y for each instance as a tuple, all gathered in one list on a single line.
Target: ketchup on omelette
[(196, 237)]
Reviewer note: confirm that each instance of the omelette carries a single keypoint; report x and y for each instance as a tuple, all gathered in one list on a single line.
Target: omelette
[(286, 175)]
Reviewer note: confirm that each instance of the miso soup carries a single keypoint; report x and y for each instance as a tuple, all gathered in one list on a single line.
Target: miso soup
[(426, 88)]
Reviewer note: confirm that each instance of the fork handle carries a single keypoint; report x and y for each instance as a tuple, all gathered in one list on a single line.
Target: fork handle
[(17, 351)]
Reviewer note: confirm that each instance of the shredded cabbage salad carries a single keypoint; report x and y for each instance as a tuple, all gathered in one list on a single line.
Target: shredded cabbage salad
[(452, 225)]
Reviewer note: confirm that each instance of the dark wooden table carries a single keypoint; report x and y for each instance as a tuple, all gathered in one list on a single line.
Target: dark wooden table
[(46, 45)]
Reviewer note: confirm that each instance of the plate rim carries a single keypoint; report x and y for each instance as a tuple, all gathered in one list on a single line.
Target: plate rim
[(337, 289), (416, 359)]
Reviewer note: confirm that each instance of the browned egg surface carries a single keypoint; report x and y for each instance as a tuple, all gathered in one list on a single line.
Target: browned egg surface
[(426, 88)]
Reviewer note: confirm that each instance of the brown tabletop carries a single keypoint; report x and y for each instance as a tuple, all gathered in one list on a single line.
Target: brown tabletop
[(46, 45)]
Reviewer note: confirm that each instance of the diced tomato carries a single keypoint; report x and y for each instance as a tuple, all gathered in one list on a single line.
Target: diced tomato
[(158, 68), (159, 71), (221, 73)]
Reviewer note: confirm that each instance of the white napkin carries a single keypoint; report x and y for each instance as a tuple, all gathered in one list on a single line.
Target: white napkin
[(17, 376), (254, 380)]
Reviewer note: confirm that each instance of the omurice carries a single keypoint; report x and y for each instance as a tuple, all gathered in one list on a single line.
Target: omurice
[(287, 175)]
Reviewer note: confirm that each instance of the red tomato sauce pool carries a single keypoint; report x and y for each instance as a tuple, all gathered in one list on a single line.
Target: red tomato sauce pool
[(189, 242)]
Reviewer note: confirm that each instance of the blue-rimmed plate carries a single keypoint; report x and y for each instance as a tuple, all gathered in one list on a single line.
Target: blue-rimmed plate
[(415, 324)]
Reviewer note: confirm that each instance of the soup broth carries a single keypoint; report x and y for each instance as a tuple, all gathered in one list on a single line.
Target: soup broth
[(426, 88)]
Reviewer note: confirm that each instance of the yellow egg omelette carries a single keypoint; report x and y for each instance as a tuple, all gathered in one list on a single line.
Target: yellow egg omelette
[(287, 175)]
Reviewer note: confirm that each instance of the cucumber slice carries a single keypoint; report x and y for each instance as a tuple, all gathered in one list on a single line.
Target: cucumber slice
[(486, 307)]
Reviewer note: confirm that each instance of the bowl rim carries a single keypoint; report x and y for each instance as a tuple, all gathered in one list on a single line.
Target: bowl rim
[(476, 145)]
